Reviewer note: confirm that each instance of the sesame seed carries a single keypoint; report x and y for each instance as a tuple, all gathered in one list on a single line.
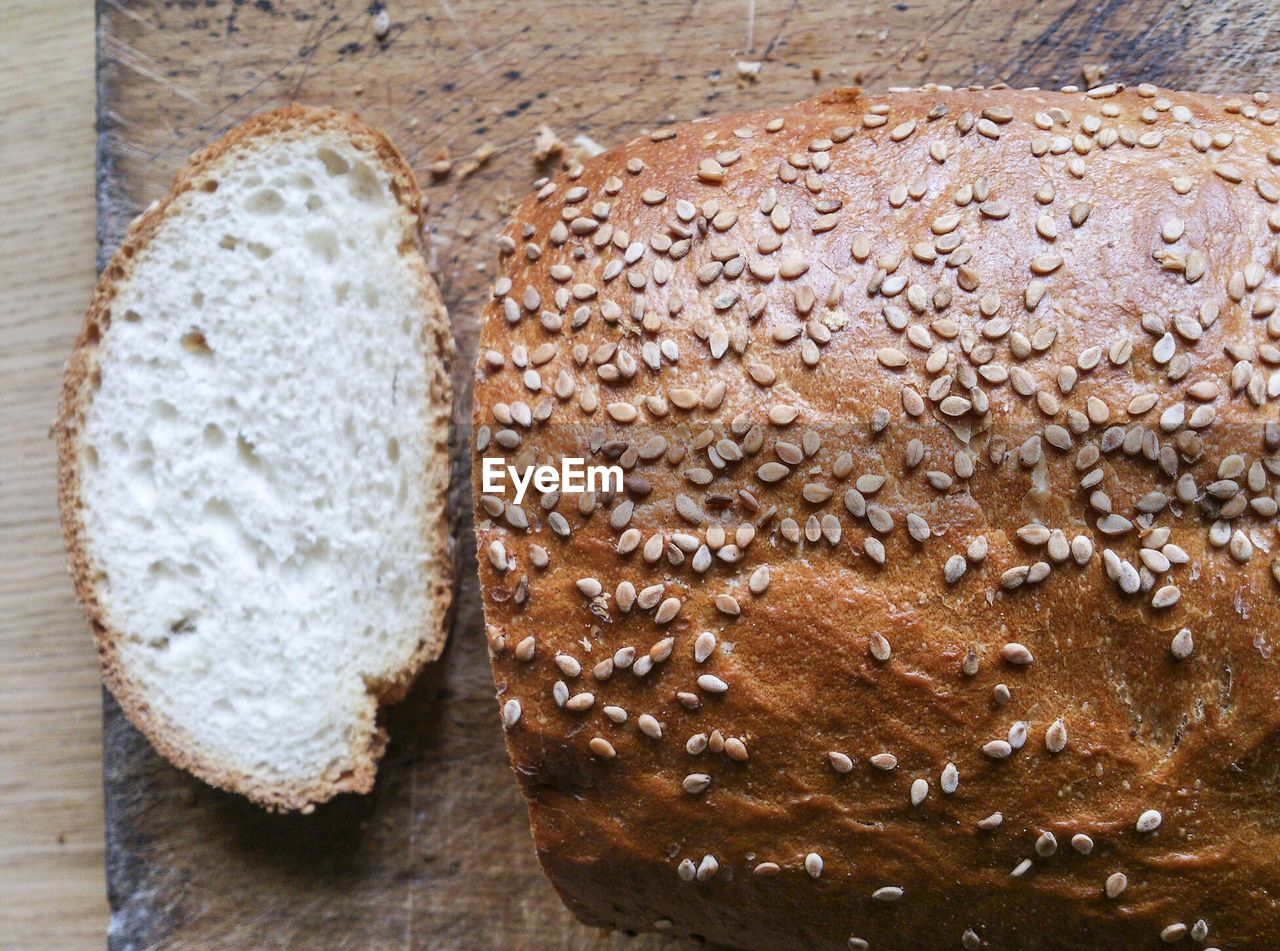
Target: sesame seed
[(1016, 653), (1046, 263), (839, 761), (891, 357), (602, 748), (1055, 738), (887, 893), (710, 171), (569, 666), (1229, 172), (510, 713), (880, 518), (667, 611), (696, 783), (1115, 885), (703, 646), (1018, 734), (1014, 577), (869, 484), (712, 684), (998, 749), (727, 604), (1240, 547), (919, 791), (950, 781), (498, 555), (1171, 934), (707, 868), (772, 472), (977, 551), (1149, 821), (661, 650), (813, 864), (885, 761), (1033, 534), (1182, 644), (1046, 844)]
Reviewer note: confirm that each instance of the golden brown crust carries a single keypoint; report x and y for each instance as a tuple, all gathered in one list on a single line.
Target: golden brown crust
[(168, 739), (1016, 330)]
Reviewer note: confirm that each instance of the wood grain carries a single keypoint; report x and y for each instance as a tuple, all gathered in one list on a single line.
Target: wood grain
[(51, 884), (439, 855)]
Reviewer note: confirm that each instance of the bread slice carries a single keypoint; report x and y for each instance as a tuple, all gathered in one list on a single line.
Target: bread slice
[(253, 459)]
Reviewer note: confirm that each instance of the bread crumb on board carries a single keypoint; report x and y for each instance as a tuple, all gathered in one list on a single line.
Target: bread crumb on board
[(585, 146), (547, 146), (442, 164), (476, 160)]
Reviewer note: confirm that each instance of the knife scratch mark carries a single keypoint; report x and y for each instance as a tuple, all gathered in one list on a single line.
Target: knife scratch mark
[(782, 29), (413, 836), (145, 66), (211, 118), (308, 52), (136, 17), (461, 27)]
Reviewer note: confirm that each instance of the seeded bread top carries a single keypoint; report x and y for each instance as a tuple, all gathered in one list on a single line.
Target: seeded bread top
[(939, 604)]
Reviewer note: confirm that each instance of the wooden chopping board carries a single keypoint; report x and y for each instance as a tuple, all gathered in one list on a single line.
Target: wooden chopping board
[(439, 855)]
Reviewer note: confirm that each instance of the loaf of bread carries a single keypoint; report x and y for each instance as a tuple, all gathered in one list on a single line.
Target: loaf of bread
[(253, 449), (940, 605)]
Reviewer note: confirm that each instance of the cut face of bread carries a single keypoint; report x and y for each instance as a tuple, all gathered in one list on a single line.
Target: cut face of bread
[(254, 459)]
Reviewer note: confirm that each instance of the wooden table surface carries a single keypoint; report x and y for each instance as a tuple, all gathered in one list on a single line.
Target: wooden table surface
[(476, 73), (51, 875)]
